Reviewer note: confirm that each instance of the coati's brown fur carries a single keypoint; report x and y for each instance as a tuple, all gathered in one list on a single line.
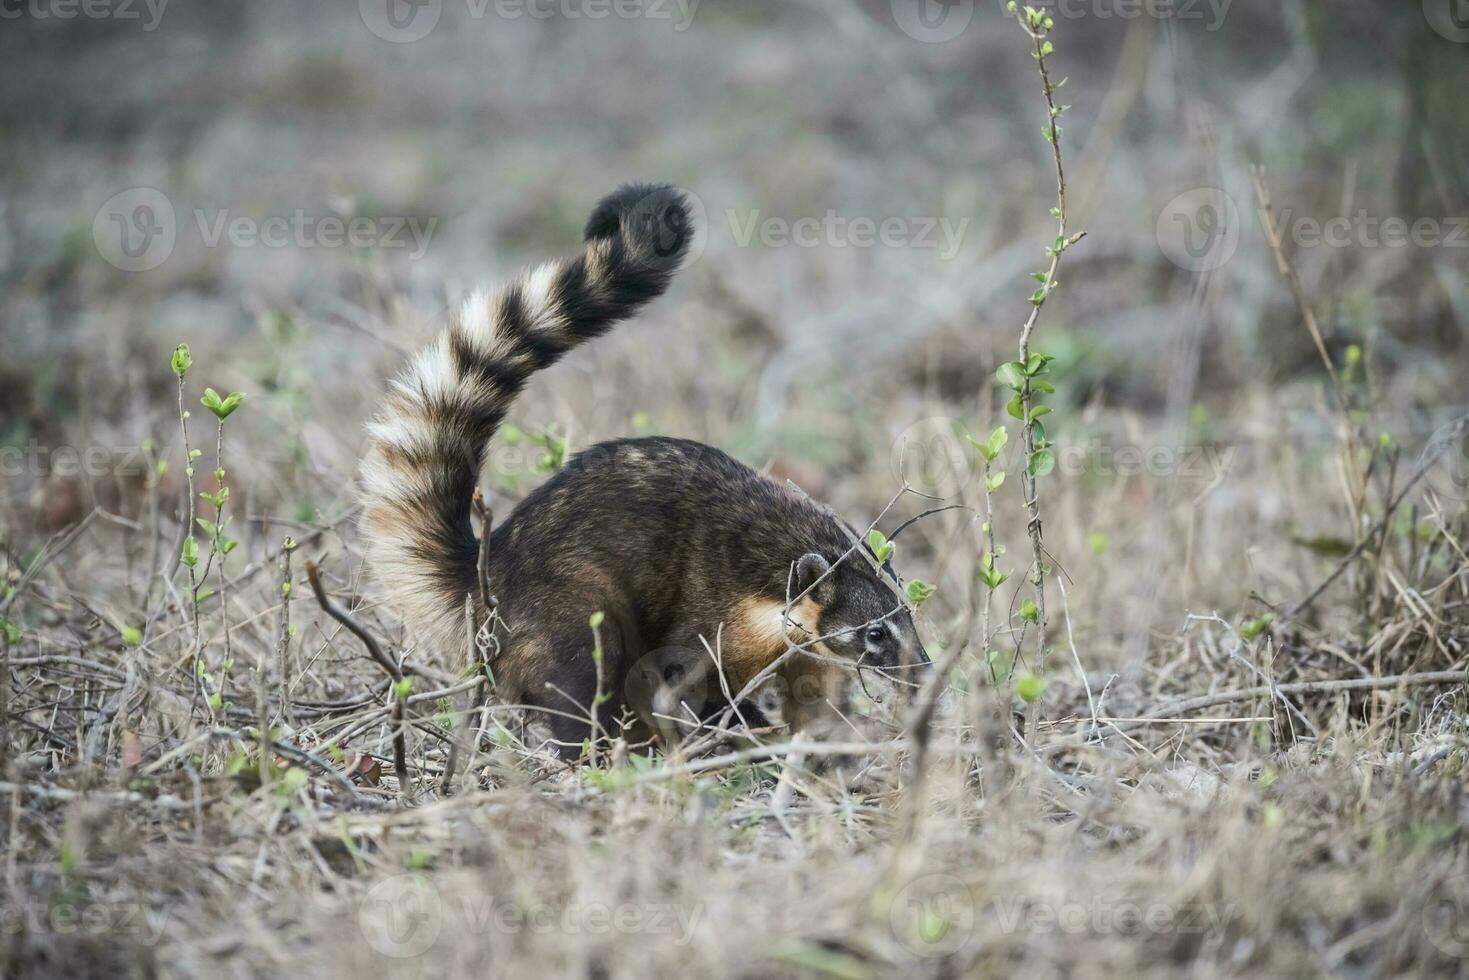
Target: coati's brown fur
[(672, 540)]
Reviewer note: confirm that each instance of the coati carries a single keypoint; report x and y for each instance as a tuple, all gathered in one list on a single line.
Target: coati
[(672, 540)]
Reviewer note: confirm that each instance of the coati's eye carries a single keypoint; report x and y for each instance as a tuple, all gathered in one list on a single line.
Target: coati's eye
[(876, 634)]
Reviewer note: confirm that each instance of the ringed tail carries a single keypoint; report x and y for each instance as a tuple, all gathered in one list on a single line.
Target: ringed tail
[(427, 442)]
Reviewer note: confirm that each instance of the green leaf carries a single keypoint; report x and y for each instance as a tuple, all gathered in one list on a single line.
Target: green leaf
[(1030, 687), (882, 548), (812, 959), (222, 408), (1043, 386), (210, 528), (995, 481), (991, 450), (1016, 408), (216, 701), (190, 555), (293, 780), (1038, 298), (1029, 612), (998, 439), (1325, 546), (1036, 364), (132, 636), (1042, 462), (1097, 541), (401, 689), (1255, 627), (182, 360), (597, 618), (203, 595), (1011, 375), (235, 764), (919, 591)]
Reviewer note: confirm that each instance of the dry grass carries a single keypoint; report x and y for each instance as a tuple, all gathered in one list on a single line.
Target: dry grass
[(1207, 478)]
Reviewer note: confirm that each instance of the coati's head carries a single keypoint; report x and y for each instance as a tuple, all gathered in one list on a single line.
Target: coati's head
[(862, 617)]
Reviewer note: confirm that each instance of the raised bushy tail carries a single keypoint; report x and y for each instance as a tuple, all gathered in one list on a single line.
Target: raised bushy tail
[(428, 442)]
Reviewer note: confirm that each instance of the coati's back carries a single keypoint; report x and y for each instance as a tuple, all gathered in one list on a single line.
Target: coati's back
[(673, 541)]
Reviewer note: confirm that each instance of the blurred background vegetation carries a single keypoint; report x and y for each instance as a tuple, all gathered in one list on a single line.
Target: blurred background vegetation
[(495, 131), (185, 172)]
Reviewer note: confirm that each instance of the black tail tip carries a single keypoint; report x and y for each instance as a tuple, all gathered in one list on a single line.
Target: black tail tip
[(653, 218)]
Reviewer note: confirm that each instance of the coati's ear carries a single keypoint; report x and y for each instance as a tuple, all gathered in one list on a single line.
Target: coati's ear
[(809, 568)]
